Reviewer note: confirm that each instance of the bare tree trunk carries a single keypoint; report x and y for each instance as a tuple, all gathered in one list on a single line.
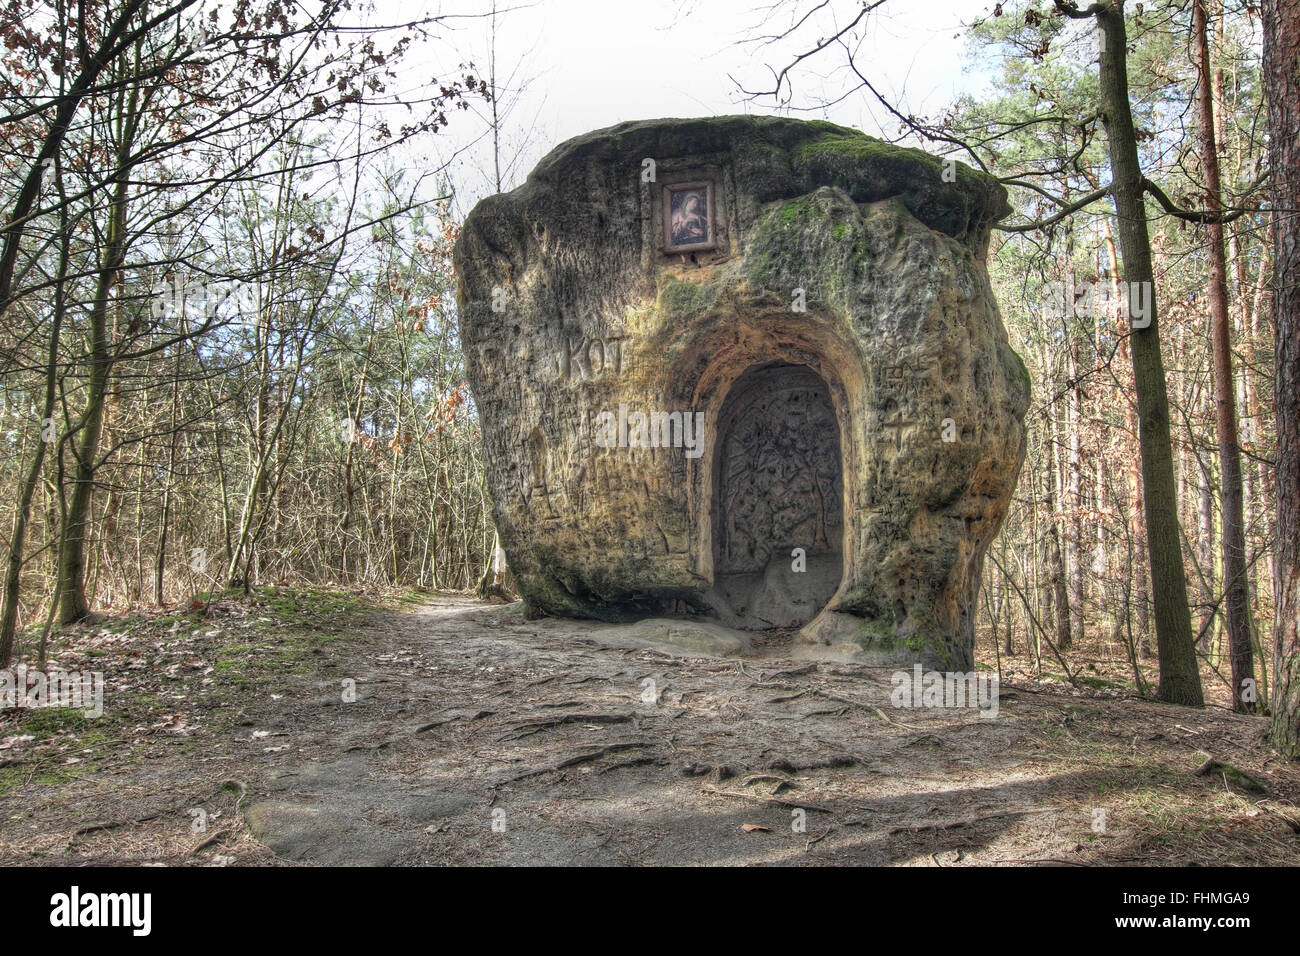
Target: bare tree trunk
[(18, 537), (164, 519), (1056, 581), (1060, 562), (1180, 679), (1281, 53), (1205, 551), (73, 605), (1225, 400)]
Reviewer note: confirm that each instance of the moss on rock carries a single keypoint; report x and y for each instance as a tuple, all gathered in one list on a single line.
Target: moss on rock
[(678, 298)]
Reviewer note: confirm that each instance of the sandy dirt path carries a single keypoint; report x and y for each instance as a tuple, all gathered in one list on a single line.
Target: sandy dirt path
[(477, 737)]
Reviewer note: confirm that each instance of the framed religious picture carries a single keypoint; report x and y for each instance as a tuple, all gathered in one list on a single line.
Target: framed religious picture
[(688, 217)]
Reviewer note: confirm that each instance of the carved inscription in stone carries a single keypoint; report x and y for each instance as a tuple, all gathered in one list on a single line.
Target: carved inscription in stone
[(584, 359)]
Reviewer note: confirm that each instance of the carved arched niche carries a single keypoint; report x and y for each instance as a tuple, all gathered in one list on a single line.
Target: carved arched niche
[(755, 359)]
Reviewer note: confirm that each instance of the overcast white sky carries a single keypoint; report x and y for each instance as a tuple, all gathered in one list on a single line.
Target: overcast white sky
[(593, 63)]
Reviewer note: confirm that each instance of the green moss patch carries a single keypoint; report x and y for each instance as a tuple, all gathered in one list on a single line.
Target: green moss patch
[(678, 299), (48, 721)]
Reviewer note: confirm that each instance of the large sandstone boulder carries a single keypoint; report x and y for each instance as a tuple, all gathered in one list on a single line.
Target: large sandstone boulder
[(849, 414)]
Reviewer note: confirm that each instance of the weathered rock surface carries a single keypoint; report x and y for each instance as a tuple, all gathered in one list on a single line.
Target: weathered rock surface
[(878, 430)]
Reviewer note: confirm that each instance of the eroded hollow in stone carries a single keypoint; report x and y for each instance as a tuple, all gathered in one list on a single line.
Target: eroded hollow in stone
[(778, 486)]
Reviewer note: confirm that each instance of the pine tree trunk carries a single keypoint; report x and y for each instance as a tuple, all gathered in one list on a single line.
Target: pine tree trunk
[(1058, 565), (1235, 587), (1281, 54), (1205, 550), (1180, 679)]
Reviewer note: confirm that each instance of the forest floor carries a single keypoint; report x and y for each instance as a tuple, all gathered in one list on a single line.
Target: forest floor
[(477, 737)]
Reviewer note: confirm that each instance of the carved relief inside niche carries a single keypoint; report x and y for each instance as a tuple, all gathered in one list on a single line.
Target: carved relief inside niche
[(778, 485)]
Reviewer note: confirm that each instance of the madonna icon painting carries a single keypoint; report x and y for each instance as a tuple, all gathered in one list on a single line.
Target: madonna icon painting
[(688, 217)]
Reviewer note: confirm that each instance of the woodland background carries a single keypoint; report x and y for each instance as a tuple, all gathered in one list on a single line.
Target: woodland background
[(229, 358)]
